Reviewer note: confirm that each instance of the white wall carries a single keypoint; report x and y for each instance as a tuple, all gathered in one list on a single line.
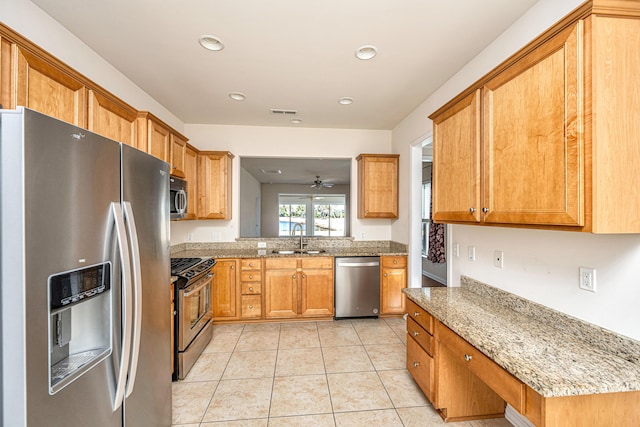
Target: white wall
[(260, 141), (31, 22), (539, 265), (250, 200)]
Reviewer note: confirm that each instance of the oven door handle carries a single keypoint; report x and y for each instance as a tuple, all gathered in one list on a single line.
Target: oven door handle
[(189, 292)]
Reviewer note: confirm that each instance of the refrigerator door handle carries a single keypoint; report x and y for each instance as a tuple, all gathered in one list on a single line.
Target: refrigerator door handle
[(137, 294), (127, 309)]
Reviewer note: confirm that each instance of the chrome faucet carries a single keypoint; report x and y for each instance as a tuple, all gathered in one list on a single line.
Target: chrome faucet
[(293, 233)]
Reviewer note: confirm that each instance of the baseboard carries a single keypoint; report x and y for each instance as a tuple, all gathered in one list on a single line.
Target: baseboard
[(516, 418), (434, 277)]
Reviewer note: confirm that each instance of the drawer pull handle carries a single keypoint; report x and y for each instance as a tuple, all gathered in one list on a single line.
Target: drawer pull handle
[(416, 364), (468, 357), (416, 314), (416, 333)]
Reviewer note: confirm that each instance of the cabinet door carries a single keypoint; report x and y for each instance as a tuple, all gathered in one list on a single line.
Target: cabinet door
[(377, 186), (533, 138), (177, 150), (191, 176), (316, 293), (281, 293), (49, 90), (157, 140), (6, 70), (214, 185), (224, 292), (392, 282), (112, 119), (456, 162), (420, 366)]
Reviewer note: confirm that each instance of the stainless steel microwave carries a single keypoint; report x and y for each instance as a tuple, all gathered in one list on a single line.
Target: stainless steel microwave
[(178, 198)]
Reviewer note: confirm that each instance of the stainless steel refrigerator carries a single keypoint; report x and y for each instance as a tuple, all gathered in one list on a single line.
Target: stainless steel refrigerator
[(85, 324)]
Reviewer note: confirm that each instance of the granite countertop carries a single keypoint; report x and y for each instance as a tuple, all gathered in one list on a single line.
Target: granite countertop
[(268, 253), (555, 354)]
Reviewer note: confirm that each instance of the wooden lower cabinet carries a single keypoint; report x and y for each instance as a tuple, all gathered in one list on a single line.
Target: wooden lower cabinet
[(251, 288), (298, 287), (420, 366), (224, 292), (393, 278)]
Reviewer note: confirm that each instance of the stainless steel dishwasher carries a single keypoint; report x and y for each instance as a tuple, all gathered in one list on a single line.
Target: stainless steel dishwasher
[(357, 283)]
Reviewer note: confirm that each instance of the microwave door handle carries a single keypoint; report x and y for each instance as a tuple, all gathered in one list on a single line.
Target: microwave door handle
[(127, 309), (177, 200), (183, 202), (137, 294)]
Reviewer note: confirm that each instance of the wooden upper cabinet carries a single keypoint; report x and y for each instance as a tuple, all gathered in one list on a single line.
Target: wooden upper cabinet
[(378, 185), (153, 136), (47, 88), (191, 176), (6, 62), (456, 162), (214, 184), (177, 152), (533, 142), (112, 118)]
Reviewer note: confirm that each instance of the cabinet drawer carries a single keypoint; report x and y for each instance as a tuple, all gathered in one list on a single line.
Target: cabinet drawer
[(281, 263), (251, 276), (251, 306), (421, 317), (317, 262), (249, 288), (394, 261), (503, 383), (251, 264), (420, 366), (421, 336)]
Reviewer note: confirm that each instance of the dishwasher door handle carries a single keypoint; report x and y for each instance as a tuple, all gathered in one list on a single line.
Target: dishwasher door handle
[(358, 264)]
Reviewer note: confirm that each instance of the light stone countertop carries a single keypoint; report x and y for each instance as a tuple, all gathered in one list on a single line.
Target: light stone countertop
[(553, 353), (268, 253)]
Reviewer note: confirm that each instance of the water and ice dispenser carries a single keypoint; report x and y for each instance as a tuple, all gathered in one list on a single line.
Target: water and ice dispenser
[(80, 322)]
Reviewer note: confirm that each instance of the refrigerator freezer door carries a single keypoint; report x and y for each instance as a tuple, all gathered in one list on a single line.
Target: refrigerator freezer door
[(145, 185), (58, 183)]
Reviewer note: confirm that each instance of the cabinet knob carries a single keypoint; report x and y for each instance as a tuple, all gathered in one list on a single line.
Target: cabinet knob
[(416, 364), (304, 276), (416, 333), (250, 264), (175, 312), (468, 357), (385, 274), (233, 267), (485, 210), (472, 210), (250, 307), (175, 167), (251, 276), (395, 261), (416, 314), (293, 277), (250, 289)]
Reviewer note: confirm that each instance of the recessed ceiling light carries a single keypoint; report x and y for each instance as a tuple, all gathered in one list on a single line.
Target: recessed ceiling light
[(345, 100), (210, 43), (366, 52), (296, 121), (237, 96)]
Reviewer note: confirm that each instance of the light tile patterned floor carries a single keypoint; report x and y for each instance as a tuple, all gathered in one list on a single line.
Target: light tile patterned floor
[(340, 373)]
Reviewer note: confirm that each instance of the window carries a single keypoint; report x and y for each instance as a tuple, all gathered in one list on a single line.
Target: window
[(326, 218)]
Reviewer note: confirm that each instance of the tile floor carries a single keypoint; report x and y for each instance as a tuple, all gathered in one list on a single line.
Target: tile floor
[(339, 373)]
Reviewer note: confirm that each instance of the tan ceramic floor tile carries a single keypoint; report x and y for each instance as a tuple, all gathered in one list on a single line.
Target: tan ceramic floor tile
[(298, 338), (240, 399), (256, 422), (262, 327), (258, 340), (368, 323), (395, 322), (386, 357), (309, 326), (186, 425), (402, 389), (494, 422), (346, 359), (190, 400), (321, 420), (250, 364), (425, 416), (223, 342), (386, 418), (300, 361), (378, 336), (343, 323), (208, 367), (334, 337), (359, 391), (301, 395)]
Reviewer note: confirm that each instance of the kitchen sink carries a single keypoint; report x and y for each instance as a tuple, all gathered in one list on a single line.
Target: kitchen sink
[(298, 251)]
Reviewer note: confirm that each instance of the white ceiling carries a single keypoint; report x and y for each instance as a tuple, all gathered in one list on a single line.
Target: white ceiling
[(288, 54), (297, 171)]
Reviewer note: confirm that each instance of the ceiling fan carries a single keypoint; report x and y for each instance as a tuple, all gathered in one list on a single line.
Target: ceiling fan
[(318, 184)]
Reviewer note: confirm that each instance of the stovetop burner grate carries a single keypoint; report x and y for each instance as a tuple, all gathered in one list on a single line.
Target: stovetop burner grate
[(179, 265)]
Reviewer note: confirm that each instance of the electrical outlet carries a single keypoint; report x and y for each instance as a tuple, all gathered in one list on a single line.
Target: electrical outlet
[(471, 252), (216, 236), (588, 279), (362, 235), (189, 237), (262, 244), (498, 259)]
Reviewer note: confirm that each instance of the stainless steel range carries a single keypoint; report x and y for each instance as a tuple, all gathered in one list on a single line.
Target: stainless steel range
[(193, 310)]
